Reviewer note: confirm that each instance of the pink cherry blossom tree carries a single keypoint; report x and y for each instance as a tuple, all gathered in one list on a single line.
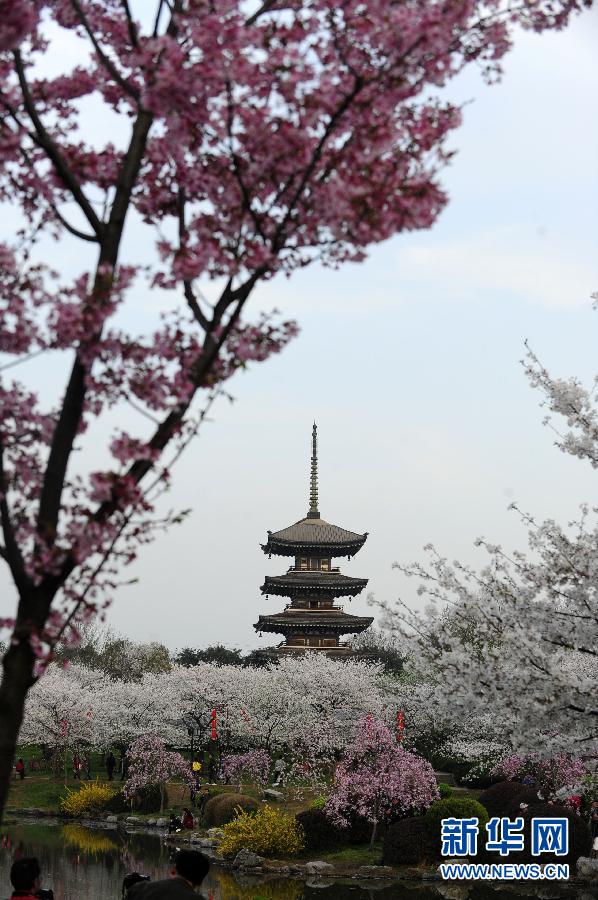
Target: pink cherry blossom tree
[(151, 764), (248, 139), (548, 774), (378, 780), (252, 767)]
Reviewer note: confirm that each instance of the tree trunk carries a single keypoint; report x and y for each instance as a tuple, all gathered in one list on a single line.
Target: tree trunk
[(17, 678), (162, 792), (374, 830)]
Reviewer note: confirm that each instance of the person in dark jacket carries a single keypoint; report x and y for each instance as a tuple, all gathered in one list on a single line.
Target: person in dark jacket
[(110, 765), (25, 877), (190, 869)]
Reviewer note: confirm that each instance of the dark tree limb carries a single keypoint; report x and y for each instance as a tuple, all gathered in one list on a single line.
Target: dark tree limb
[(43, 140)]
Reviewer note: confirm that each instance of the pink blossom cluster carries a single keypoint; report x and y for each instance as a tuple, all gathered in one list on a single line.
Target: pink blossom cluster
[(253, 767), (548, 774), (150, 763), (378, 780)]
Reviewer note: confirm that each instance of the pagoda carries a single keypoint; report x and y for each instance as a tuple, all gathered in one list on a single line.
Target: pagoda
[(311, 621)]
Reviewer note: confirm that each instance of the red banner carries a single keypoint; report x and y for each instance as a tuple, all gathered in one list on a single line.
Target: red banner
[(400, 724)]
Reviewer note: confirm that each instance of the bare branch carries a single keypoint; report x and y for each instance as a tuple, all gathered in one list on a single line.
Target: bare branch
[(11, 551), (43, 140), (130, 23), (110, 67)]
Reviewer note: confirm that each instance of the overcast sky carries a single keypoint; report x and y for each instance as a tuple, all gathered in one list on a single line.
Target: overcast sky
[(409, 363)]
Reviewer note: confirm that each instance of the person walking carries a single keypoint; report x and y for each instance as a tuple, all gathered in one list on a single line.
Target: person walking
[(110, 765), (77, 766), (87, 766), (190, 869), (594, 828), (20, 768)]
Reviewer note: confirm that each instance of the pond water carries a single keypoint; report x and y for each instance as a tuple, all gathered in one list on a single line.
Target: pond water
[(84, 863)]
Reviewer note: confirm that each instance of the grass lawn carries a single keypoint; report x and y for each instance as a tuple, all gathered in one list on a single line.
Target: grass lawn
[(351, 857), (39, 791)]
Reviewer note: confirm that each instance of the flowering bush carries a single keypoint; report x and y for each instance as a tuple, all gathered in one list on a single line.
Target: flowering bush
[(378, 780), (548, 774), (90, 798), (268, 831), (150, 763), (580, 795), (252, 767)]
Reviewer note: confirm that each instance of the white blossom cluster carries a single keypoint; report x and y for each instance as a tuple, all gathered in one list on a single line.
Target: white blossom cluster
[(310, 701), (517, 641)]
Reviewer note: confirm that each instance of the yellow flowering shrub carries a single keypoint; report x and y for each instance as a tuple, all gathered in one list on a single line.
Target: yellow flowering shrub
[(268, 832), (90, 798)]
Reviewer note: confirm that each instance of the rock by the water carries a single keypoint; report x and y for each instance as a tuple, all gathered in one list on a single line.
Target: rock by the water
[(112, 818), (375, 872), (161, 823), (452, 891), (247, 859), (215, 832), (132, 819), (276, 796), (151, 821), (319, 867), (456, 862), (587, 868)]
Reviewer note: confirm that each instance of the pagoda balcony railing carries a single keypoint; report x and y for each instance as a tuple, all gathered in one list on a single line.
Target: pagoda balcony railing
[(314, 609), (322, 571), (344, 645)]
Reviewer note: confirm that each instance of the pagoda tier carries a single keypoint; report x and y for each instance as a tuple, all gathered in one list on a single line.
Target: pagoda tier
[(313, 584), (311, 536), (311, 621), (306, 621)]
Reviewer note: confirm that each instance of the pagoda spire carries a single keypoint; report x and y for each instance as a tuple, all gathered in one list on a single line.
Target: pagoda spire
[(314, 512)]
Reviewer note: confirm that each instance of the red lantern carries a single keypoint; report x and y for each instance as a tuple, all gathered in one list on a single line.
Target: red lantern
[(214, 730), (400, 724)]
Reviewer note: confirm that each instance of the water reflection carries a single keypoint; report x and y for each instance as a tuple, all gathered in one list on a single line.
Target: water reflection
[(83, 863)]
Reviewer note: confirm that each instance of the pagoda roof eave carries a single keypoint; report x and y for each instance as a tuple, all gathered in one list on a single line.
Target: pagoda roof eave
[(313, 535), (329, 584), (343, 623)]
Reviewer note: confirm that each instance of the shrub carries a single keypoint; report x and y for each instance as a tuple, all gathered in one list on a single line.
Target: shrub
[(268, 832), (224, 808), (445, 790), (91, 798), (320, 833), (148, 799), (505, 798), (318, 803), (407, 843), (118, 804), (580, 841), (453, 807)]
